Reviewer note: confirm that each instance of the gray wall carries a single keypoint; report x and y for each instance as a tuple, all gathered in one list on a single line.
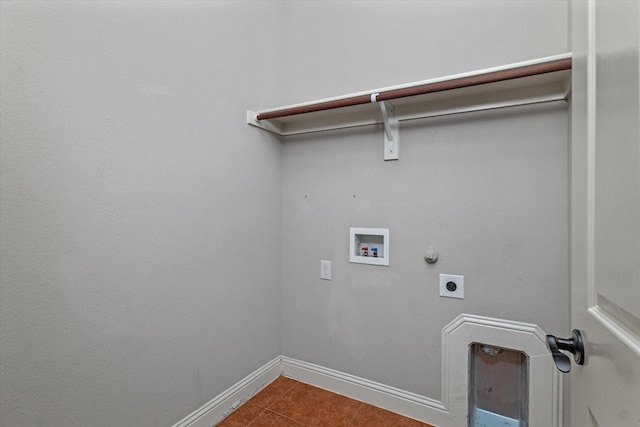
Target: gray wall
[(148, 233), (488, 190), (140, 214), (339, 47)]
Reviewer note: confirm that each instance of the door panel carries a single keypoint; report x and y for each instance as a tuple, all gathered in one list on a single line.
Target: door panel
[(605, 229), (617, 155)]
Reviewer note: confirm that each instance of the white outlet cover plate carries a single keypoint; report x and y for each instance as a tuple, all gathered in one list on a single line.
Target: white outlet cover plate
[(458, 280), (325, 269)]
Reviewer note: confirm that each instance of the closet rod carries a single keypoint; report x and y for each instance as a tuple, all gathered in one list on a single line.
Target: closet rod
[(462, 82)]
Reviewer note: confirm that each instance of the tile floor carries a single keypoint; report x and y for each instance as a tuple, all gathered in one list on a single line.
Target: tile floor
[(289, 403)]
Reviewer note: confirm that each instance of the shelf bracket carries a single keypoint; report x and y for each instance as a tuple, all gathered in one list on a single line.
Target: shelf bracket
[(391, 131)]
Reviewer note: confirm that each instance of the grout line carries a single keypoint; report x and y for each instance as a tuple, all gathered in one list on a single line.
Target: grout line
[(259, 415), (289, 418), (282, 395), (266, 408), (361, 406), (356, 412)]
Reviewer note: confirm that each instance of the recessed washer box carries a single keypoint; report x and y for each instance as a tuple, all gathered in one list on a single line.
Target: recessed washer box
[(369, 245)]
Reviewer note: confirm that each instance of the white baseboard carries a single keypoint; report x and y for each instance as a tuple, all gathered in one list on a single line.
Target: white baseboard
[(545, 403), (221, 406), (383, 396), (380, 395)]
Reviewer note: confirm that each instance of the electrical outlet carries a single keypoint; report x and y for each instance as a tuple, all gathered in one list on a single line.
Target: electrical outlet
[(451, 286), (325, 270)]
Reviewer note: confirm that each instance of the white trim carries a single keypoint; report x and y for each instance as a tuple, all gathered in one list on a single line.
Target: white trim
[(605, 318), (616, 327), (405, 403), (545, 405), (225, 403), (545, 383), (393, 399), (592, 299)]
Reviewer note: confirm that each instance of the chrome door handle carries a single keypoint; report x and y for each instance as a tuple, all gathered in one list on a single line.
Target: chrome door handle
[(574, 345)]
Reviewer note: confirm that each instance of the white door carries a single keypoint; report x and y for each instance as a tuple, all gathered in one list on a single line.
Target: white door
[(605, 212)]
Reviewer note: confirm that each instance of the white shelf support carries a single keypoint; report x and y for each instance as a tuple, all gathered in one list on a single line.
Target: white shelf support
[(391, 131)]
